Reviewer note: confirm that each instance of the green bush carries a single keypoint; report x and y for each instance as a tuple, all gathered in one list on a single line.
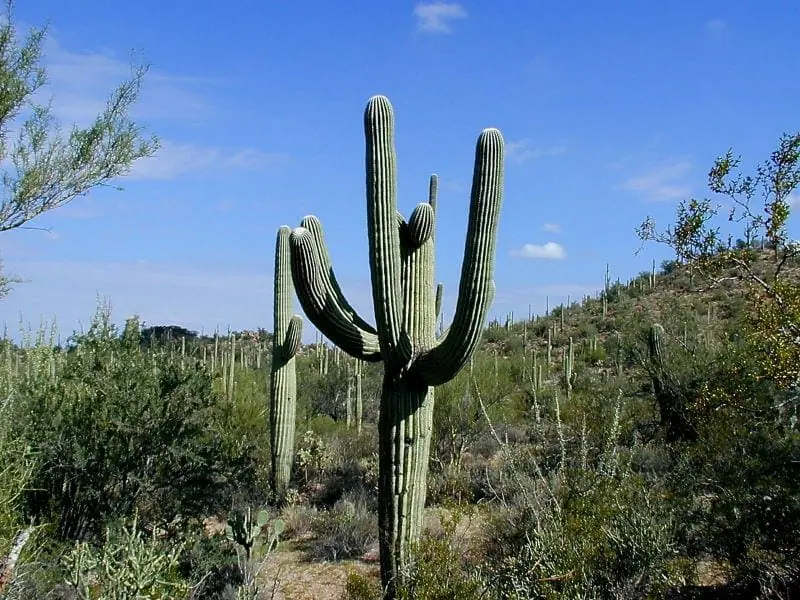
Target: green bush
[(601, 538), (120, 430), (438, 569), (362, 587)]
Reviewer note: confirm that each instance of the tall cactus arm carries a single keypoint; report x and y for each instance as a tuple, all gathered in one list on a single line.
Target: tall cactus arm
[(313, 289), (287, 329), (313, 224), (476, 288), (433, 189), (439, 307), (384, 237), (433, 193)]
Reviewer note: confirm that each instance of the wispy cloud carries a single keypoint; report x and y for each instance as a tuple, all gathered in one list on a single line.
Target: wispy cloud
[(81, 82), (716, 25), (521, 151), (548, 251), (551, 227), (663, 182), (195, 297), (436, 17), (174, 160)]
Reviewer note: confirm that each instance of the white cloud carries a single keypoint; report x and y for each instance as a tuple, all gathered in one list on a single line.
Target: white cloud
[(521, 151), (793, 200), (662, 182), (174, 160), (549, 251), (435, 17), (80, 83), (551, 227)]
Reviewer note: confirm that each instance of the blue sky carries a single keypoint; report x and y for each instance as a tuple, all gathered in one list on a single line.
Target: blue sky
[(611, 112)]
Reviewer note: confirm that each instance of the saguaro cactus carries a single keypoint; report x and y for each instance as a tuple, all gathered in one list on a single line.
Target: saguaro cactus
[(283, 380), (569, 361), (401, 258), (674, 418)]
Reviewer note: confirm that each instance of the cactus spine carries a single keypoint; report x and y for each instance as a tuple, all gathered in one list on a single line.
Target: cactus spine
[(283, 380), (401, 258)]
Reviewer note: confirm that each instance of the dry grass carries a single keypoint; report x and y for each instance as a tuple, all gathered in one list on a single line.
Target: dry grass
[(293, 577)]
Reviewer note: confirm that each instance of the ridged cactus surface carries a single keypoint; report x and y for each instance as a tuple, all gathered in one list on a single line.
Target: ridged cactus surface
[(401, 259), (283, 379)]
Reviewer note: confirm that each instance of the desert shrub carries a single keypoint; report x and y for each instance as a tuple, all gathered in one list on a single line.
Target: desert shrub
[(121, 429), (495, 334), (211, 564), (451, 485), (599, 537), (17, 464), (438, 570), (574, 520), (362, 587), (298, 520), (348, 530), (312, 457), (740, 497)]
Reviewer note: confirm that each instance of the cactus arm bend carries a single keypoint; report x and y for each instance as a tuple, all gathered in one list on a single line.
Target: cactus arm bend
[(320, 304), (294, 334), (476, 289), (313, 224), (421, 225)]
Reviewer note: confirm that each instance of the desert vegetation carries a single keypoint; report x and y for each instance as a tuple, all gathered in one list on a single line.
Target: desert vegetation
[(640, 442)]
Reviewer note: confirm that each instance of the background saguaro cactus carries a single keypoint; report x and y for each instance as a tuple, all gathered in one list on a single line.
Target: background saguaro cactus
[(668, 396), (401, 256), (283, 380)]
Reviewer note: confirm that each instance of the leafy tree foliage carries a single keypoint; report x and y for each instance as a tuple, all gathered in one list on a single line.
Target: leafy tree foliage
[(47, 168)]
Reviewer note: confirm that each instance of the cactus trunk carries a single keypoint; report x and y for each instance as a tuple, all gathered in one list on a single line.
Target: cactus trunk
[(404, 426), (401, 262), (283, 380)]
